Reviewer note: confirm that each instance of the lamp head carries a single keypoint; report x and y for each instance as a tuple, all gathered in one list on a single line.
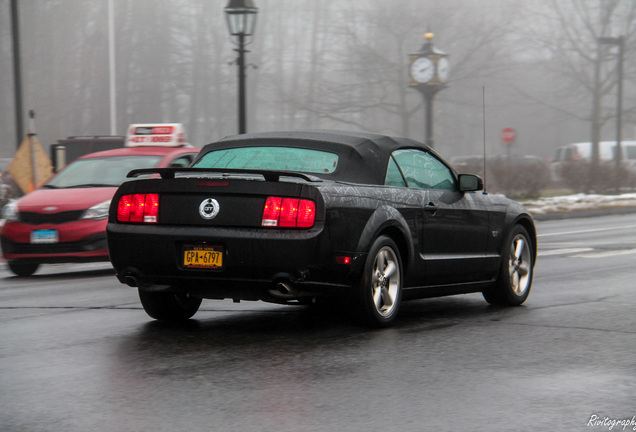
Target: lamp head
[(241, 17)]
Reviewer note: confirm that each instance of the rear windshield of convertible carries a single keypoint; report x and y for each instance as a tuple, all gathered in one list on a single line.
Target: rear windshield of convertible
[(271, 158)]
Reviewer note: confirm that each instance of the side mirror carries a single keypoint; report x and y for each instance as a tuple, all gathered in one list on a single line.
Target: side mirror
[(470, 183)]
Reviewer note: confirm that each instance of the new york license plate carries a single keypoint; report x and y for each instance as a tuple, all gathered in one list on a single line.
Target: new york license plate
[(44, 236), (203, 257)]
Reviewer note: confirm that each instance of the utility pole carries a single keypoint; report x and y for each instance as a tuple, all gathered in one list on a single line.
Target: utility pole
[(17, 73)]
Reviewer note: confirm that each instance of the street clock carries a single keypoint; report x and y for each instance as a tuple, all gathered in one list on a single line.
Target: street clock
[(428, 74), (429, 66), (422, 70)]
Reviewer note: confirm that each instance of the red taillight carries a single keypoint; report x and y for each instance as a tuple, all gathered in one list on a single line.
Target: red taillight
[(288, 213), (271, 212), (306, 214), (138, 208), (151, 208), (123, 208)]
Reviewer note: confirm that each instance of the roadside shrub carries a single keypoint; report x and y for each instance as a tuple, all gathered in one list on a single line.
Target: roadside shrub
[(577, 176), (518, 178)]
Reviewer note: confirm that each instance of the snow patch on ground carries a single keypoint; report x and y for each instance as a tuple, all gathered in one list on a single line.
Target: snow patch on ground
[(579, 202)]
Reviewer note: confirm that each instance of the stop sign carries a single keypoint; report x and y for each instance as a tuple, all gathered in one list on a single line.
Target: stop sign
[(508, 135)]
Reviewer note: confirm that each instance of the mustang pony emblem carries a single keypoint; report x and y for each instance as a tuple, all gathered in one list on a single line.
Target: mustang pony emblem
[(209, 208)]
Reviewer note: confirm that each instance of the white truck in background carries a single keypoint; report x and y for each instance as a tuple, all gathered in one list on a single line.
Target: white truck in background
[(582, 152)]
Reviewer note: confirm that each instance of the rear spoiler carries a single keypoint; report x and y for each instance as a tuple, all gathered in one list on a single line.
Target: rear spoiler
[(169, 173)]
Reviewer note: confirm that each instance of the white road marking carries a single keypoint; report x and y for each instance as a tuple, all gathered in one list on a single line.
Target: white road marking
[(563, 251), (606, 254), (624, 227)]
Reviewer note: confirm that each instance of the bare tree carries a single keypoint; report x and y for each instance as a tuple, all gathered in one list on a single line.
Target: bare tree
[(562, 37)]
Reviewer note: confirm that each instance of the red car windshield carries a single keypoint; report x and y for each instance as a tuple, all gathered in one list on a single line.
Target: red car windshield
[(100, 171)]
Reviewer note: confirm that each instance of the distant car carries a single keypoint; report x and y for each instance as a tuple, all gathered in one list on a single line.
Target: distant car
[(4, 187), (317, 216), (65, 220)]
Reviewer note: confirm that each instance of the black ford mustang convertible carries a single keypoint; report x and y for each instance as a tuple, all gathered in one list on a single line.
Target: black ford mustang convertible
[(316, 216)]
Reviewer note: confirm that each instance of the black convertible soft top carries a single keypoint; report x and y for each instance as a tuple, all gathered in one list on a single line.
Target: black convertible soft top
[(363, 156)]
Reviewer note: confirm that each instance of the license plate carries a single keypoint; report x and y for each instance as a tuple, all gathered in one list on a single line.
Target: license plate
[(203, 257), (44, 236)]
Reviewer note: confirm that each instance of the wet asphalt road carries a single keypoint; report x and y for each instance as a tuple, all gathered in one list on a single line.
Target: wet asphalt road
[(77, 353)]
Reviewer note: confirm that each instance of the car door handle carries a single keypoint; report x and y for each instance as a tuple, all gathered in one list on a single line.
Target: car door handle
[(430, 208)]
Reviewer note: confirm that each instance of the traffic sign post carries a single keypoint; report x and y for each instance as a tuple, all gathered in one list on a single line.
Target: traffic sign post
[(508, 136)]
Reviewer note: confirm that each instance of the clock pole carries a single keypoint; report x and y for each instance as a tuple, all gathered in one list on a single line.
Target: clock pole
[(428, 101), (428, 74)]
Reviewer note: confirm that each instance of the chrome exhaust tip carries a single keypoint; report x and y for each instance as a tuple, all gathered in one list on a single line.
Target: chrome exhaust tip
[(286, 288)]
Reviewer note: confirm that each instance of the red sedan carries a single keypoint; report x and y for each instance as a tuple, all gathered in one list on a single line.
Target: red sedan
[(65, 220)]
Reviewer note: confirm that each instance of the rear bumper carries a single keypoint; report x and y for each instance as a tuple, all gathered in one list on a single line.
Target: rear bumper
[(255, 261)]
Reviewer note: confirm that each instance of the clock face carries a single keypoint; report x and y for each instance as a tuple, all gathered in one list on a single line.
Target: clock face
[(442, 69), (422, 70)]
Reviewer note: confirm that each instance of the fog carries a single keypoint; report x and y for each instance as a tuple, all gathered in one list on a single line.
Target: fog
[(337, 64)]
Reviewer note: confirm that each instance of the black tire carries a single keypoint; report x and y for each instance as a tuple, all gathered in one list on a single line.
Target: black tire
[(377, 298), (515, 275), (23, 269), (169, 306)]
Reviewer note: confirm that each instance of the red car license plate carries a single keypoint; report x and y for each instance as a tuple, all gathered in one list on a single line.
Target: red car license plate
[(44, 236)]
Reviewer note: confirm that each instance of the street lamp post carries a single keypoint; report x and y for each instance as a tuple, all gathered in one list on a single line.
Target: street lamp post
[(428, 74), (618, 41), (241, 20)]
